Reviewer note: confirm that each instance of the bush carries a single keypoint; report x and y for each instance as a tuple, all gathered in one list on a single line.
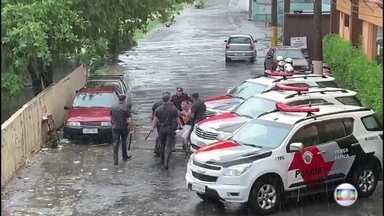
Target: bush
[(352, 70)]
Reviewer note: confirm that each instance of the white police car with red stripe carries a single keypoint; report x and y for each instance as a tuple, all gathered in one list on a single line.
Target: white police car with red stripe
[(293, 149), (255, 86), (223, 125)]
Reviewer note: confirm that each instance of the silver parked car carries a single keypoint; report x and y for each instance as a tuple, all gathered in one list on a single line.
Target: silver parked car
[(240, 47)]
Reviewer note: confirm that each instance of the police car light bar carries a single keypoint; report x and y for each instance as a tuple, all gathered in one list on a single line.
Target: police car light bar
[(298, 89), (286, 108), (277, 73)]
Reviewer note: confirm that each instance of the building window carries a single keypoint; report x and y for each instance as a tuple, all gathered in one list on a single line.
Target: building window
[(346, 20)]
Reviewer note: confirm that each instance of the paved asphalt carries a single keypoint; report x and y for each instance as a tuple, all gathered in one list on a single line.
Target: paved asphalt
[(79, 178)]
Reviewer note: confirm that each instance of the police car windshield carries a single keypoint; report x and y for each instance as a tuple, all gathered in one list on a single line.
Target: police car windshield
[(247, 90), (95, 100), (253, 107), (261, 133)]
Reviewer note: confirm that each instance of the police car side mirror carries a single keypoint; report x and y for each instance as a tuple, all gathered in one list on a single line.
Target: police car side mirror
[(296, 147), (66, 107)]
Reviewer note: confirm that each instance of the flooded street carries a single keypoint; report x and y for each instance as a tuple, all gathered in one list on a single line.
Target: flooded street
[(79, 178)]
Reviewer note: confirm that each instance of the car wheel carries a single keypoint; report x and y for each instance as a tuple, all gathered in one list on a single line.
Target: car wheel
[(265, 196), (364, 178), (207, 198), (227, 59), (253, 59)]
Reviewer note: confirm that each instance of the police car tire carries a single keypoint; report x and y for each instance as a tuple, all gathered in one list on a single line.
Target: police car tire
[(355, 179), (227, 59), (207, 198), (252, 203), (252, 59)]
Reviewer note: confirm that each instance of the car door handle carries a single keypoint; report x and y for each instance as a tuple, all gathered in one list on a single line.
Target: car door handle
[(370, 138)]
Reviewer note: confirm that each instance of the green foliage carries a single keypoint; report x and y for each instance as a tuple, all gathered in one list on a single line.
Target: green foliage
[(37, 33), (354, 71)]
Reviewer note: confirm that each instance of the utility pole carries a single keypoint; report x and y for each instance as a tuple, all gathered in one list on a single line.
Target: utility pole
[(287, 9), (334, 18), (274, 23), (317, 40)]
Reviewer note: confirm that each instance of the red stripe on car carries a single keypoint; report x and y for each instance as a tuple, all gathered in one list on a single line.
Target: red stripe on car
[(218, 145)]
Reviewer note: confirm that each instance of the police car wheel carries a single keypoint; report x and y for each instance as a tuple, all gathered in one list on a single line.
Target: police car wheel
[(265, 196), (207, 198), (365, 180)]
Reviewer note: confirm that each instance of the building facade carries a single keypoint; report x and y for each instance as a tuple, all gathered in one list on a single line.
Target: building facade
[(361, 22), (260, 10)]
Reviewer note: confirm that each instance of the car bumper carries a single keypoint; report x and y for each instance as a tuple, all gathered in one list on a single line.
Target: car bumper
[(197, 142), (78, 132), (224, 192), (240, 54)]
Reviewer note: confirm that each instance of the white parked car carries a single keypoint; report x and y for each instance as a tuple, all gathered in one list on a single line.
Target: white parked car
[(223, 125), (255, 86), (280, 153)]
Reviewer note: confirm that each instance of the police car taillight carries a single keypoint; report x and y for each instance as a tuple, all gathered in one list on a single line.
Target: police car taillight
[(286, 108)]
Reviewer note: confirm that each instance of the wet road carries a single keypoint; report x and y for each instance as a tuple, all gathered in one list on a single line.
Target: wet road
[(79, 179)]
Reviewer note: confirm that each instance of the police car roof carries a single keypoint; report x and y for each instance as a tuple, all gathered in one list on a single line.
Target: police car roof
[(270, 80), (291, 118), (278, 95)]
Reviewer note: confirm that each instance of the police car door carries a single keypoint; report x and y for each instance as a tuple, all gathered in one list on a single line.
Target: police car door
[(307, 166), (336, 146)]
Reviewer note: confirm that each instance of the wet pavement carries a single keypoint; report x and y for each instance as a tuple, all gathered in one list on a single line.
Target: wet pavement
[(80, 179)]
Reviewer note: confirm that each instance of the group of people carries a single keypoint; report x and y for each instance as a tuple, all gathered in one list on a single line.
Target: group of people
[(284, 65), (172, 113)]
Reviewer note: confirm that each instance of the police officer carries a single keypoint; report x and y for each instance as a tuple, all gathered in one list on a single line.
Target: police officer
[(157, 142), (166, 119), (179, 97), (197, 111), (120, 114)]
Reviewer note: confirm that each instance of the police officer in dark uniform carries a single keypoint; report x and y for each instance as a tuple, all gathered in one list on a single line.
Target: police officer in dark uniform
[(157, 142), (198, 110), (167, 121), (179, 97), (120, 114)]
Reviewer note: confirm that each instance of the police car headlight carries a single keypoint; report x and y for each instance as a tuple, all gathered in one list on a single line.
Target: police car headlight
[(191, 158), (73, 123), (106, 124), (236, 170), (223, 136)]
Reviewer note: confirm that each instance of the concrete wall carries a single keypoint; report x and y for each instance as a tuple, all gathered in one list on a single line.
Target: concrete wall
[(21, 134)]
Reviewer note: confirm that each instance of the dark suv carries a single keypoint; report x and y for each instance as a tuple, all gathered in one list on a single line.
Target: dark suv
[(300, 57)]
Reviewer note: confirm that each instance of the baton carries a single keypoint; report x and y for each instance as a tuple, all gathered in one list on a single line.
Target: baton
[(146, 137), (130, 141)]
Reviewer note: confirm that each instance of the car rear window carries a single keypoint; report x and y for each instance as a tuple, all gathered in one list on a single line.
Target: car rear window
[(349, 100), (97, 83), (240, 40), (290, 53), (371, 123), (86, 99), (327, 84)]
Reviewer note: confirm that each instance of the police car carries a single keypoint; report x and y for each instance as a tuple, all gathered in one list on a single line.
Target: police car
[(223, 125), (290, 152), (262, 83)]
